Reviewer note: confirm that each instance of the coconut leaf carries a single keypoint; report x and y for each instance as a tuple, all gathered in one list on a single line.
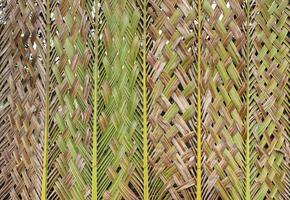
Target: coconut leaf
[(172, 145), (144, 99)]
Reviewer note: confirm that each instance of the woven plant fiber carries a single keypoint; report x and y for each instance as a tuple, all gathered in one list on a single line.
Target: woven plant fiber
[(144, 99)]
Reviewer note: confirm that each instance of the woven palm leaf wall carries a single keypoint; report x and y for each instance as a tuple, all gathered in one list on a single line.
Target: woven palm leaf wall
[(144, 99)]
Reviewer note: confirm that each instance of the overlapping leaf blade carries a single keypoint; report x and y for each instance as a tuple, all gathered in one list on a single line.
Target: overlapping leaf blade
[(120, 171), (172, 112), (144, 99)]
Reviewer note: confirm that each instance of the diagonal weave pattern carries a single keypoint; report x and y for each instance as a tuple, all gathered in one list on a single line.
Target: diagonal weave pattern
[(120, 141), (71, 138), (269, 77), (6, 181), (26, 99), (172, 111), (223, 88), (144, 99)]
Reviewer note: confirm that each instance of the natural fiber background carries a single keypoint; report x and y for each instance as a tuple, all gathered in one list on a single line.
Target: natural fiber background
[(144, 99)]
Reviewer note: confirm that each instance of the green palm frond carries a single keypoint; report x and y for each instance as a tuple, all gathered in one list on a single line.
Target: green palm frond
[(224, 97), (141, 81), (144, 99), (97, 48), (268, 88), (120, 143), (71, 135)]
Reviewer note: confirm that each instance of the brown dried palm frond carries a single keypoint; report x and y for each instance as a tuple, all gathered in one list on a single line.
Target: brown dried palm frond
[(144, 99)]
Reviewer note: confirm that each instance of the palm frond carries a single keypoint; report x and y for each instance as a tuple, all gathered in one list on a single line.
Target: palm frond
[(224, 97), (69, 173), (97, 76), (25, 76), (172, 111), (6, 165), (268, 89), (144, 99), (145, 43), (120, 144)]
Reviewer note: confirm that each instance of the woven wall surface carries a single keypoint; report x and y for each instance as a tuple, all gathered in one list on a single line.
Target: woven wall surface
[(144, 99)]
